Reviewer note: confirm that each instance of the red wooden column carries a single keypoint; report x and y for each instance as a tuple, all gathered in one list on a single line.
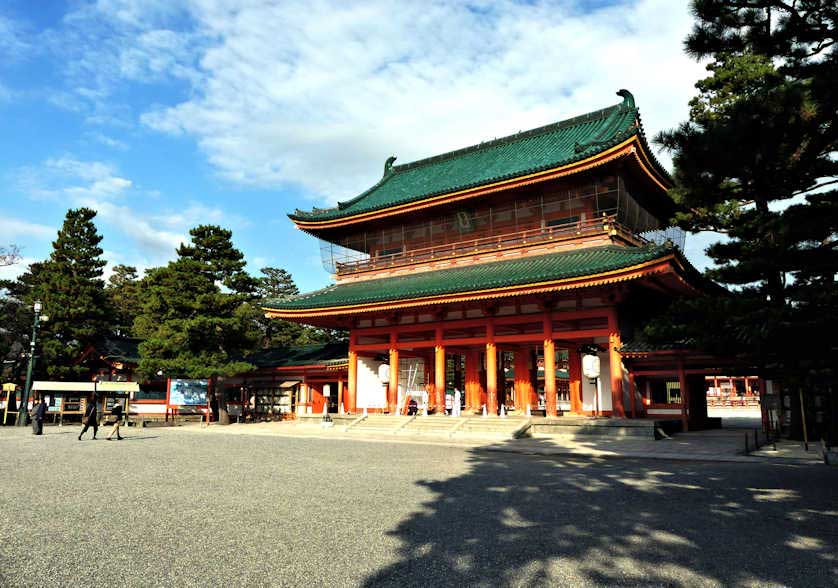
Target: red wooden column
[(574, 368), (352, 376), (550, 395), (340, 395), (682, 382), (393, 387), (439, 372), (523, 384), (616, 365), (491, 369), (473, 379)]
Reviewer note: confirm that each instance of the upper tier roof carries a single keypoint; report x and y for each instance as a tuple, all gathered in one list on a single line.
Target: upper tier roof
[(524, 153)]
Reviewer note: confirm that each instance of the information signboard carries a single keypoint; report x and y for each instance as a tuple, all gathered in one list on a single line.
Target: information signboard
[(188, 392)]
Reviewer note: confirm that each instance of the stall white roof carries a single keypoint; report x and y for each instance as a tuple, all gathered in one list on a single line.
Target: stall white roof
[(45, 386)]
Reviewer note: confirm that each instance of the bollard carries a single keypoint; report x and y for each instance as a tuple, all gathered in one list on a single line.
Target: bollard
[(747, 451), (756, 439)]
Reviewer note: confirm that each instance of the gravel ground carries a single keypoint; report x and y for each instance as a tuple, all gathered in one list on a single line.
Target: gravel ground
[(180, 507)]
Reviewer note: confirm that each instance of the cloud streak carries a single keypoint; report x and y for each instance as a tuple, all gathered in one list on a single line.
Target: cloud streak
[(315, 95), (121, 207)]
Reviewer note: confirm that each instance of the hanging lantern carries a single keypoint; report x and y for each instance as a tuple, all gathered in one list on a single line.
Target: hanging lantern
[(590, 366)]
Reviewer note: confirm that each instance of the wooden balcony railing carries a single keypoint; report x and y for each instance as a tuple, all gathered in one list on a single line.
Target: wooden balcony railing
[(568, 230)]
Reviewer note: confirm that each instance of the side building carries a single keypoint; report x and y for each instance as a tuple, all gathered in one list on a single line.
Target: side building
[(492, 270)]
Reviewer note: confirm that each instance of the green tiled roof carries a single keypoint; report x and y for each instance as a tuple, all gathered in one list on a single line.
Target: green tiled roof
[(513, 272), (536, 150), (300, 355)]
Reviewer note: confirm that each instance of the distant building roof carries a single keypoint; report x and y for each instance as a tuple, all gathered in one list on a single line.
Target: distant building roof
[(124, 349), (300, 355)]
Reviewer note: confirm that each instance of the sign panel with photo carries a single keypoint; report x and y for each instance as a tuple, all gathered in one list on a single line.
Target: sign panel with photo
[(188, 392)]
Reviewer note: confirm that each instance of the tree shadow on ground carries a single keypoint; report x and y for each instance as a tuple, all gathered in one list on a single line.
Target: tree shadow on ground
[(531, 521)]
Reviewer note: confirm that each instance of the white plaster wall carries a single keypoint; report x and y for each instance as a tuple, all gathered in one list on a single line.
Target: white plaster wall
[(371, 393), (147, 408)]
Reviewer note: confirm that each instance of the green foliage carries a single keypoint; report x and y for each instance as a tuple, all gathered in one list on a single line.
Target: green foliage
[(124, 295), (69, 285), (753, 163), (276, 283), (191, 326)]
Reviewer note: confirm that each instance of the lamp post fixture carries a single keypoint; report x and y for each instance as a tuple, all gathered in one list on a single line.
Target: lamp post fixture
[(24, 401)]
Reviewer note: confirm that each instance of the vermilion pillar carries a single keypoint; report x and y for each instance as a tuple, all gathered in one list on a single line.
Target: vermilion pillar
[(616, 365), (393, 387), (473, 379), (439, 372), (523, 384), (550, 396), (340, 395), (352, 377), (574, 368), (491, 369)]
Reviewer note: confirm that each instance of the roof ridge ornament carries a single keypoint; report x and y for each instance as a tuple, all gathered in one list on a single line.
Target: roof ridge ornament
[(388, 165), (628, 98)]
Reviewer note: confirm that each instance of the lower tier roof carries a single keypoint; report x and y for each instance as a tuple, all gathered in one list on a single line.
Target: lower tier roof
[(542, 270)]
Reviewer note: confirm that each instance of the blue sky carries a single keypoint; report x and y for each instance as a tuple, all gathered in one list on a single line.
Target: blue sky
[(163, 115)]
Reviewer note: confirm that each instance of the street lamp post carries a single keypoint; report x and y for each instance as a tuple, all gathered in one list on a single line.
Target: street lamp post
[(24, 401)]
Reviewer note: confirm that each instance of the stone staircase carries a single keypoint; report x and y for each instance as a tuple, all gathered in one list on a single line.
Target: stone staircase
[(435, 425), (496, 427), (378, 423), (573, 426), (492, 427)]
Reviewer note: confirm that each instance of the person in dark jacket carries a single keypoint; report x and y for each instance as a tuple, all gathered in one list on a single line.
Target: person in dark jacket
[(38, 414), (90, 418), (116, 413)]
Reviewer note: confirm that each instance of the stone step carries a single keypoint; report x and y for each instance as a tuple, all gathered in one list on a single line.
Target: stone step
[(380, 423), (581, 427), (431, 425)]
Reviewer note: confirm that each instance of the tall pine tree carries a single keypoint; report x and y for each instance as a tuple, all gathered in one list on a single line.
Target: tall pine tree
[(191, 326), (125, 297), (757, 163), (69, 285)]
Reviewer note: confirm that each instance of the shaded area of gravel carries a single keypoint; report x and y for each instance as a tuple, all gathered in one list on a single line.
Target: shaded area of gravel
[(186, 508)]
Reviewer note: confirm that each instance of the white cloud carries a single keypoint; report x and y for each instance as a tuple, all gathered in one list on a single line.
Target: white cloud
[(324, 93), (14, 228), (13, 44), (120, 206), (107, 141), (316, 95), (11, 272), (67, 178)]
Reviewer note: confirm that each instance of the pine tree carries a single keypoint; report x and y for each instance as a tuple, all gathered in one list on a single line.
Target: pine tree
[(70, 287), (124, 295), (190, 326), (275, 283), (755, 163)]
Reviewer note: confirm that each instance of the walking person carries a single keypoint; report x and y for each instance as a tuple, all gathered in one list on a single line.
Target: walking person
[(116, 413), (90, 418), (38, 414)]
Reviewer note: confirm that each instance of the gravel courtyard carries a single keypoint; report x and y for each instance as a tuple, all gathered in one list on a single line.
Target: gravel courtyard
[(181, 507)]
